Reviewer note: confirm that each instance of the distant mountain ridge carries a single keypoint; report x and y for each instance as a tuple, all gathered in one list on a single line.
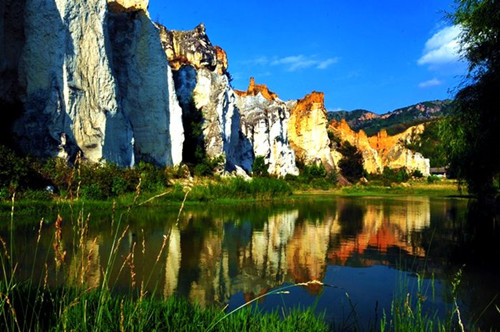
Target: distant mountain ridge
[(395, 121)]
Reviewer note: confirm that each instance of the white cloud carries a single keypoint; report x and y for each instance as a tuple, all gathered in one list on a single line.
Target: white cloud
[(430, 83), (296, 62), (327, 63), (442, 47)]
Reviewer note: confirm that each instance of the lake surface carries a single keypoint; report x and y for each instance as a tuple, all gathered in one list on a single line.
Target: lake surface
[(366, 251)]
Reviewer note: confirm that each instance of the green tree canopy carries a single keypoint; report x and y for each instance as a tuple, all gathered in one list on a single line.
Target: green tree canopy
[(351, 164), (472, 132)]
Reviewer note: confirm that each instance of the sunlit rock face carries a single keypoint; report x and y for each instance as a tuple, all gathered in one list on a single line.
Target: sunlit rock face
[(192, 47), (264, 121), (202, 83), (121, 6), (92, 81), (383, 150), (307, 130)]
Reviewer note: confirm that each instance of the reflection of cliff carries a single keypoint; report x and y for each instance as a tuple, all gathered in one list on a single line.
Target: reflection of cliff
[(85, 268), (307, 251), (380, 230), (220, 259), (173, 261)]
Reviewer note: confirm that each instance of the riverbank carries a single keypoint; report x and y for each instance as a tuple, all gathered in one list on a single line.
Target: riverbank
[(224, 191)]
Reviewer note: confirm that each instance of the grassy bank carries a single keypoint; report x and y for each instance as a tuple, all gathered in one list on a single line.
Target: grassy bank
[(98, 310)]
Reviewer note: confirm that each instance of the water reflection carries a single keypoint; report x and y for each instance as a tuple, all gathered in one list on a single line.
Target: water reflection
[(215, 254), (290, 246)]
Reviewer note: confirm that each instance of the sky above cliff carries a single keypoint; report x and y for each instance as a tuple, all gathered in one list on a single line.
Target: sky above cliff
[(374, 55)]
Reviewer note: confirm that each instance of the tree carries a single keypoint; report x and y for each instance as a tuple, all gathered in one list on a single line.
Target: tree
[(472, 132), (259, 167), (351, 164)]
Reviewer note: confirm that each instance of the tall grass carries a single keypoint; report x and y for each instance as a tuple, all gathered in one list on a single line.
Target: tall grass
[(75, 304)]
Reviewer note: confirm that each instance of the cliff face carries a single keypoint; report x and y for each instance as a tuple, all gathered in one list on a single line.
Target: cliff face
[(383, 150), (92, 80), (307, 130), (264, 122), (96, 77)]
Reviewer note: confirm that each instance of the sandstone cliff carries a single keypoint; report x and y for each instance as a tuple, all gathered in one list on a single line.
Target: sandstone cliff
[(383, 150), (90, 79), (307, 130), (265, 122)]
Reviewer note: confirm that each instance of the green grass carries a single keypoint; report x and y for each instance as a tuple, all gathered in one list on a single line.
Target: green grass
[(78, 310)]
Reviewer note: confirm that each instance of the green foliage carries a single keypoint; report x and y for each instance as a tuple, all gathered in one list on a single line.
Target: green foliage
[(417, 174), (351, 164), (15, 171), (429, 144), (471, 133), (239, 188), (193, 151), (208, 167), (433, 179), (392, 175), (259, 167)]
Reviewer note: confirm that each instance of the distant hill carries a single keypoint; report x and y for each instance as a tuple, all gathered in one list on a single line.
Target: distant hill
[(396, 121)]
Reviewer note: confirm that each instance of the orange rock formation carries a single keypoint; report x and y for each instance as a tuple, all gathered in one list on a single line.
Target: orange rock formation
[(221, 60), (307, 131), (383, 150), (123, 6), (254, 89)]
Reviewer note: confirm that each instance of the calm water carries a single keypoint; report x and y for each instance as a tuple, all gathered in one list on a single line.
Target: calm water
[(365, 249)]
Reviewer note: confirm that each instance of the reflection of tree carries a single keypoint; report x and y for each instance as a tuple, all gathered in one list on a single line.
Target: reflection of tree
[(477, 249), (351, 218)]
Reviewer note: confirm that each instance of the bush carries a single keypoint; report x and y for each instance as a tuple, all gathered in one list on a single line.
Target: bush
[(433, 179), (417, 174), (15, 171), (351, 164), (208, 167), (92, 192), (36, 195), (259, 167)]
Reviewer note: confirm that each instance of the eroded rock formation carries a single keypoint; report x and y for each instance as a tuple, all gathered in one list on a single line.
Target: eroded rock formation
[(383, 150), (193, 48), (265, 123), (307, 130), (96, 77)]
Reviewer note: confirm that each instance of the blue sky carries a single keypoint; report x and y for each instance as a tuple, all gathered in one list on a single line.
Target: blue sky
[(375, 55)]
